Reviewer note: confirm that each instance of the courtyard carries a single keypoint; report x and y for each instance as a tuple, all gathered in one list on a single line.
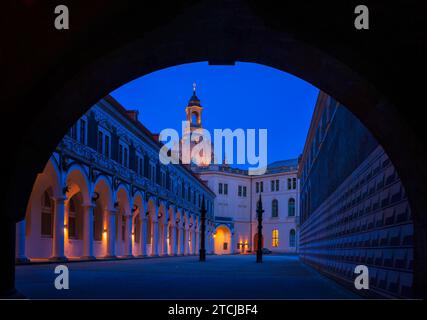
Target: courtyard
[(220, 277)]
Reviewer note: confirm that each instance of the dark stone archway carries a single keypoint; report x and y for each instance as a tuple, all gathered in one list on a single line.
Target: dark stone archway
[(52, 77)]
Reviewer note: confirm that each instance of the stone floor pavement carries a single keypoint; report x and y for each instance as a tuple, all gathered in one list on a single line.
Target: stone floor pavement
[(220, 277)]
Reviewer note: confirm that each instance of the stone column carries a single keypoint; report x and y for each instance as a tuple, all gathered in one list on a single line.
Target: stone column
[(128, 237), (174, 239), (88, 212), (143, 241), (21, 256), (186, 246), (182, 241), (193, 240), (111, 233), (58, 231), (165, 238), (155, 244)]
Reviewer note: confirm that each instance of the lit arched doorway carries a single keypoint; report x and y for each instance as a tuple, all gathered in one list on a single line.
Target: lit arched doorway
[(222, 240)]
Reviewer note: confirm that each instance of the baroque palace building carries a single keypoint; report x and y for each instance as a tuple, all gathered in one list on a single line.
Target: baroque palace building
[(104, 194), (354, 209), (237, 193)]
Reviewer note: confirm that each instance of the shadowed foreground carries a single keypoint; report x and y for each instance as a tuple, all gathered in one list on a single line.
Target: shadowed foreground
[(220, 277)]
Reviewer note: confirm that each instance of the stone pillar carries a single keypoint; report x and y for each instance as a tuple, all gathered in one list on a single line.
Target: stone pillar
[(193, 240), (186, 246), (58, 231), (155, 244), (174, 240), (21, 256), (143, 241), (111, 233), (88, 212), (182, 241), (128, 237), (165, 238)]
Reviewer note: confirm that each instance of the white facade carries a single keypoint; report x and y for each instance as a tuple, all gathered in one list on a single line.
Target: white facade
[(235, 209)]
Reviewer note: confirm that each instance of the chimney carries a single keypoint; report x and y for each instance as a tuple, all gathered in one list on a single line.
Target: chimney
[(133, 114)]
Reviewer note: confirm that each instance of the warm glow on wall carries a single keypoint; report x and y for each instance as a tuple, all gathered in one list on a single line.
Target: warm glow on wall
[(275, 238)]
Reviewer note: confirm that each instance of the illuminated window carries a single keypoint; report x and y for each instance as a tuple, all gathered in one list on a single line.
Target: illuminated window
[(275, 238)]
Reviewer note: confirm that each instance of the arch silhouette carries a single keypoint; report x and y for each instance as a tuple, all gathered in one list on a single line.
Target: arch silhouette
[(291, 41)]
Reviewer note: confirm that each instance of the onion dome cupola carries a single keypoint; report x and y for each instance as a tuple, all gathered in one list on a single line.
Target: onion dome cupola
[(194, 100), (194, 111)]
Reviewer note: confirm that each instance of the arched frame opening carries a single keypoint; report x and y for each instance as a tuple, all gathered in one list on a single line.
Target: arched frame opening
[(222, 240), (68, 92)]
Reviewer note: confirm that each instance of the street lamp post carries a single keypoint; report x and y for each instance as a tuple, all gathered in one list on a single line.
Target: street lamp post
[(202, 251), (259, 211)]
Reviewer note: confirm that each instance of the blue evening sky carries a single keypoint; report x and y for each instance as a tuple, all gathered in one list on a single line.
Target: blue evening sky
[(245, 96)]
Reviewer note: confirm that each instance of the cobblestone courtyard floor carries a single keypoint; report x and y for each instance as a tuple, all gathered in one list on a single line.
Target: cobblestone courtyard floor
[(220, 277)]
